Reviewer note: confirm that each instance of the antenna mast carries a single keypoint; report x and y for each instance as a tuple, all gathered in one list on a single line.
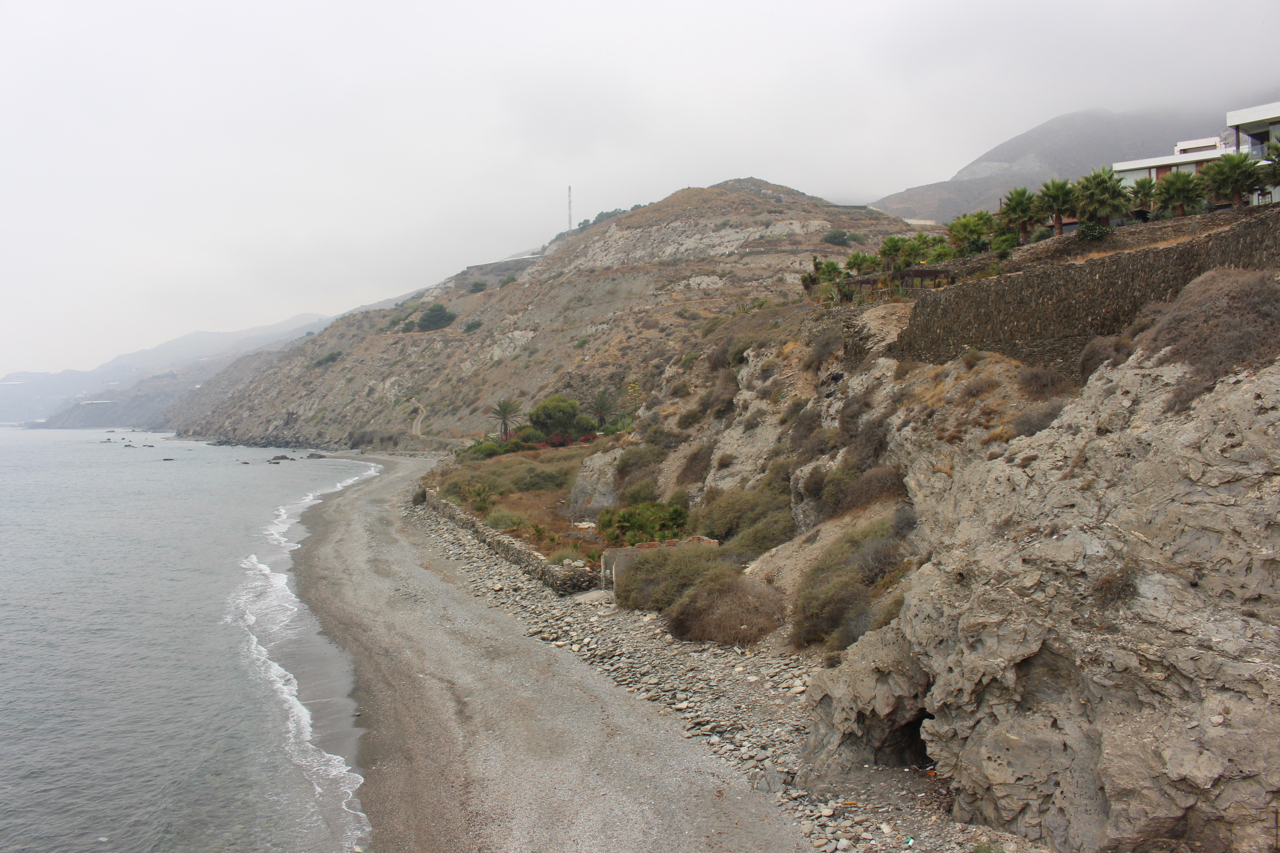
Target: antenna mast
[(570, 208)]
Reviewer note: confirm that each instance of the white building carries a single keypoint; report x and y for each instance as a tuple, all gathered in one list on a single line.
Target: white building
[(1248, 130)]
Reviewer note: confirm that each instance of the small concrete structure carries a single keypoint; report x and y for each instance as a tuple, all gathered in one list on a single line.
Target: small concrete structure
[(615, 561)]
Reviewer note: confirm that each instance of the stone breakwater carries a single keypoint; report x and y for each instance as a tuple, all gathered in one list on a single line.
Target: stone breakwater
[(747, 707)]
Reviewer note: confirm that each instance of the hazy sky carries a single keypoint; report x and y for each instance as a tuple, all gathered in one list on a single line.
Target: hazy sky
[(167, 167)]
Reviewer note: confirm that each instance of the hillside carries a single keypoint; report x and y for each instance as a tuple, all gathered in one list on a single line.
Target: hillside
[(599, 308), (167, 371), (1064, 147), (1025, 521)]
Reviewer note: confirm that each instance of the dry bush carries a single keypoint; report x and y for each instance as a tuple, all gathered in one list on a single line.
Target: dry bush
[(750, 521), (833, 598), (828, 344), (504, 519), (1104, 349), (727, 607), (753, 420), (904, 368), (1223, 321), (1042, 382), (846, 489), (1033, 420), (643, 492), (664, 437), (657, 579), (680, 389), (979, 387), (697, 466), (1116, 587), (1003, 433), (719, 399), (690, 417), (635, 459), (725, 460), (971, 357)]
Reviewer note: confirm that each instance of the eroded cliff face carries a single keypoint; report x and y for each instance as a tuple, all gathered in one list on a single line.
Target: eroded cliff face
[(1090, 651)]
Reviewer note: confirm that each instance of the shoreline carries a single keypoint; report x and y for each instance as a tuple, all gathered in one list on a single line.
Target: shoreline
[(479, 737)]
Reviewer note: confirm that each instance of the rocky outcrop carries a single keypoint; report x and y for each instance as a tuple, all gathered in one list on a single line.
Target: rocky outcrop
[(595, 488), (1091, 652)]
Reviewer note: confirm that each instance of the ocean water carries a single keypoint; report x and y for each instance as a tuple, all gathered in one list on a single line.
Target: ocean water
[(161, 687)]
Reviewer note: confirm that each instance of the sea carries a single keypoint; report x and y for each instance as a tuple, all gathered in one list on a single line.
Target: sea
[(162, 688)]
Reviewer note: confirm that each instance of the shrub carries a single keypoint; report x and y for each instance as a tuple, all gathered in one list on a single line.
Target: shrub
[(643, 492), (833, 595), (836, 237), (664, 437), (471, 326), (1113, 349), (904, 368), (328, 359), (644, 522), (580, 343), (979, 387), (690, 417), (1116, 587), (971, 357), (637, 458), (1041, 233), (750, 521), (529, 434), (711, 325), (696, 466), (540, 479), (904, 521), (1090, 230), (718, 400), (680, 389), (727, 607), (504, 519), (828, 344), (753, 420), (555, 414), (1042, 382), (435, 317), (1222, 321), (846, 489), (795, 407), (1033, 420), (479, 286), (725, 461), (486, 450), (559, 555), (656, 580)]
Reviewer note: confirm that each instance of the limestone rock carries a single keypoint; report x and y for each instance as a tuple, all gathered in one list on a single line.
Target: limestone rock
[(595, 488)]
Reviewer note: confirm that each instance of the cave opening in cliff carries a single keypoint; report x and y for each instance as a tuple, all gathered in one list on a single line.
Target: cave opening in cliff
[(907, 748)]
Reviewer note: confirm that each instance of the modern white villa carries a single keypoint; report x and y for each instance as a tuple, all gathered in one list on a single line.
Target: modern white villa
[(1248, 131)]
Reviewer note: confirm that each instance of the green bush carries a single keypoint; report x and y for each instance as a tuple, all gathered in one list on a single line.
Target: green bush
[(504, 519), (479, 286), (556, 415), (540, 479), (836, 237), (1090, 230), (472, 326), (1040, 234), (486, 450), (328, 359), (847, 489), (711, 325), (646, 522), (749, 521), (435, 317), (529, 434), (643, 492), (664, 437), (658, 579)]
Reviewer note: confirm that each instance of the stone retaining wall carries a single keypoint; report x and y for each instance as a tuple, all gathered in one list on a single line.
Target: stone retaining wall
[(563, 579), (1047, 315)]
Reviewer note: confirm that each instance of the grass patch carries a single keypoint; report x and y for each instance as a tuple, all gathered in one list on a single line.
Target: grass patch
[(504, 519)]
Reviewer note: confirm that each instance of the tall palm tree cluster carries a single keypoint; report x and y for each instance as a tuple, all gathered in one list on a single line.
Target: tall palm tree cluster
[(1102, 196)]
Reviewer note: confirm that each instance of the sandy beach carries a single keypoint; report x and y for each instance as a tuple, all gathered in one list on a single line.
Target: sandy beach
[(480, 738)]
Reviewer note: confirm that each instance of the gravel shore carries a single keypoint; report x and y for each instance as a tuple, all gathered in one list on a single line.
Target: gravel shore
[(481, 737), (745, 709)]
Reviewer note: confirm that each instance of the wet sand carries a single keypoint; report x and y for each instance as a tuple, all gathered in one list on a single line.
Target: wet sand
[(482, 739)]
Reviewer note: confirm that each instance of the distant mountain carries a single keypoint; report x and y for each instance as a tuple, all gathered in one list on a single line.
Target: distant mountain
[(1064, 147), (33, 396)]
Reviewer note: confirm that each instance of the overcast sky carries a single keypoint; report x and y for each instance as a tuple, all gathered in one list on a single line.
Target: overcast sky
[(167, 167)]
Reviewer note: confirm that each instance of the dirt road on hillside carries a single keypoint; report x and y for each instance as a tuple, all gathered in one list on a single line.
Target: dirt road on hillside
[(483, 739)]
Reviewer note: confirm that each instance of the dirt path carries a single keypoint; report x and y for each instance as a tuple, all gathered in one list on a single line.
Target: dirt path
[(483, 739)]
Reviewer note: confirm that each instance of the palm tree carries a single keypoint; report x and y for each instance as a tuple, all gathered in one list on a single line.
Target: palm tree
[(1176, 190), (1018, 210), (1100, 195), (1143, 193), (971, 233), (1270, 167), (601, 408), (1056, 200), (1236, 175), (506, 414)]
